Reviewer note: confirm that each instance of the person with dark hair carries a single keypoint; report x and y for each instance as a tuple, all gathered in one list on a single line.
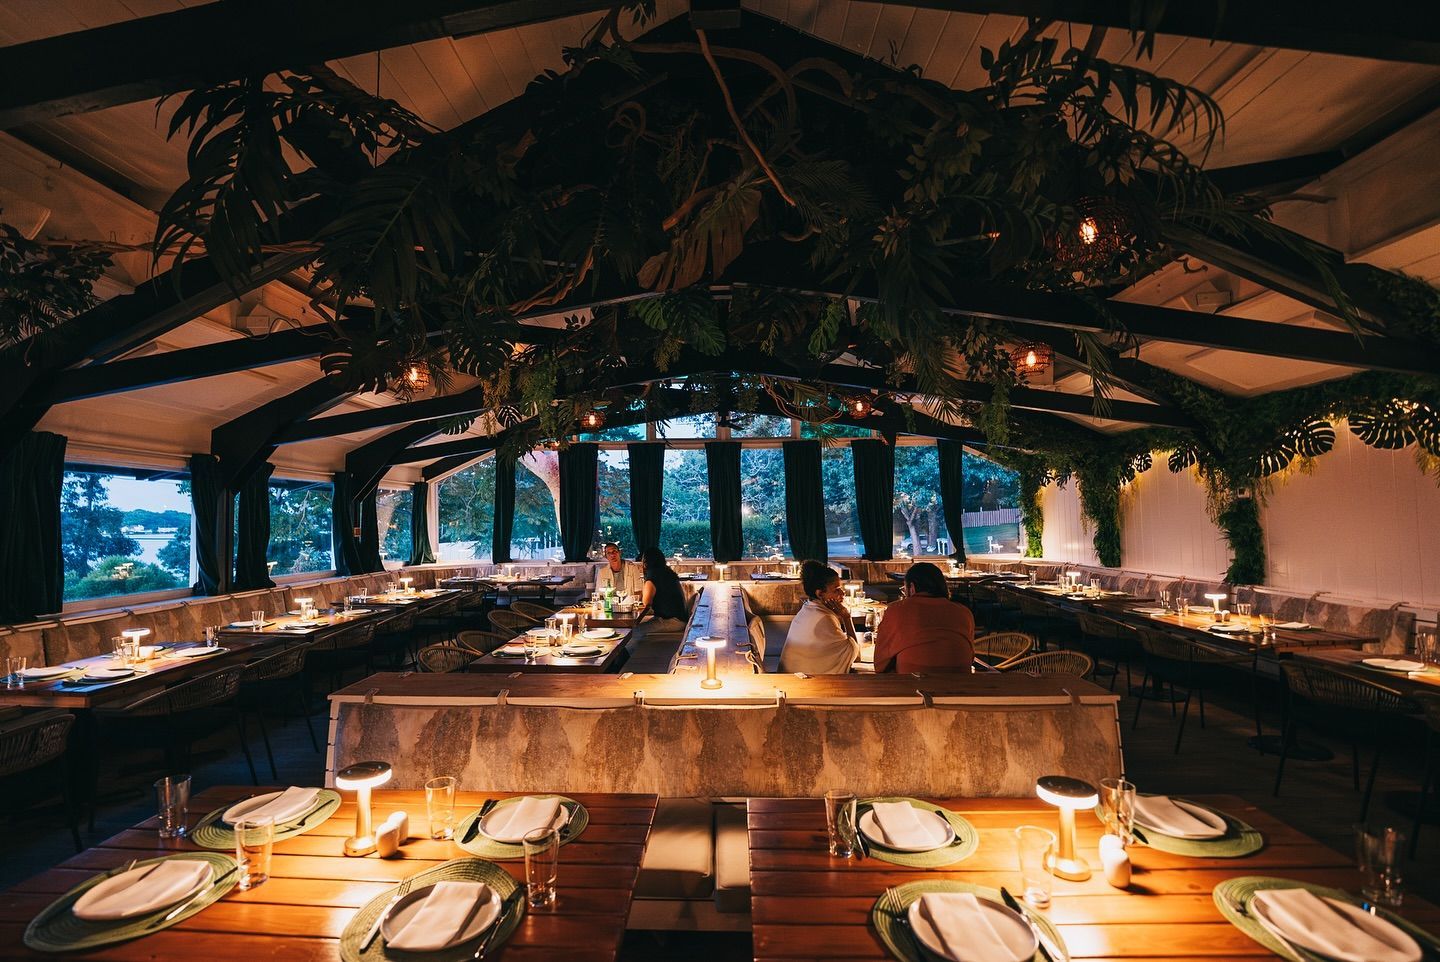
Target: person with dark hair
[(661, 592), (925, 630), (621, 575), (821, 640)]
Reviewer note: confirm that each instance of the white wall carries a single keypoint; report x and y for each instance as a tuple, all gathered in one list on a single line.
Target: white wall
[(1067, 536)]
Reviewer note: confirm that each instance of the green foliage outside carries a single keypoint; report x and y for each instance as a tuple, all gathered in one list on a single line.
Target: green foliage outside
[(119, 575), (300, 518), (467, 507), (393, 520)]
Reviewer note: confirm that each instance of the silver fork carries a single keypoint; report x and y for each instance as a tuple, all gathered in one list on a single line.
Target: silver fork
[(891, 905)]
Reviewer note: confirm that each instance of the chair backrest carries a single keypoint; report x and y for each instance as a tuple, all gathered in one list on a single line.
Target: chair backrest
[(33, 740), (1159, 644), (1098, 626), (1336, 689), (1061, 662), (398, 625), (511, 623), (1005, 646), (206, 691), (283, 664), (481, 641), (444, 658), (531, 610), (356, 637)]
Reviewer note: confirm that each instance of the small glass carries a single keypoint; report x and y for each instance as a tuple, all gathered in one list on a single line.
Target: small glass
[(1244, 609), (1378, 852), (1036, 846), (840, 822), (1182, 605), (257, 620), (542, 866), (212, 639), (172, 802), (15, 671), (1427, 646), (254, 841), (1117, 800), (440, 806), (1165, 600)]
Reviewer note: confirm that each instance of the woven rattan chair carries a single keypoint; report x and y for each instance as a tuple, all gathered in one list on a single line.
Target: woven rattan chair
[(1105, 639), (445, 658), (511, 624), (531, 609), (342, 650), (266, 683), (1344, 705), (32, 742), (1172, 661), (1002, 648), (394, 641), (482, 642), (1430, 706), (1058, 662)]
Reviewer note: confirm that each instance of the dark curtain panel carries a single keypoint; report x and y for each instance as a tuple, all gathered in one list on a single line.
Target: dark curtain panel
[(504, 509), (952, 493), (370, 534), (32, 570), (579, 466), (421, 552), (875, 496), (254, 531), (647, 482), (722, 460), (211, 504), (345, 525), (805, 501)]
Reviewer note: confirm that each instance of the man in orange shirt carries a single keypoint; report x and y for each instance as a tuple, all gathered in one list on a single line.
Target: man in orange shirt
[(925, 630)]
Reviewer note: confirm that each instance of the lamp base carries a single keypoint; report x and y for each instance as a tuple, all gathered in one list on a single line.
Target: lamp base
[(1071, 869), (710, 684), (360, 845)]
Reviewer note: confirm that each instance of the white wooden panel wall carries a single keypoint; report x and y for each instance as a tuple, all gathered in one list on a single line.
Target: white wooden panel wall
[(1164, 528), (1067, 536)]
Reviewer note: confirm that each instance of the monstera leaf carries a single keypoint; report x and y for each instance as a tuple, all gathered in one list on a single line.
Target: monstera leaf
[(1182, 458), (1308, 440), (1387, 427), (1425, 422)]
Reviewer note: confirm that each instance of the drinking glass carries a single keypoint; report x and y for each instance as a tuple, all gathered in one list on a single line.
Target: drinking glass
[(840, 822), (1165, 600), (1244, 608), (211, 639), (1183, 605), (254, 840), (257, 620), (172, 800), (1036, 845), (542, 865), (1427, 646), (1117, 798), (14, 668), (440, 806), (1378, 851), (552, 629)]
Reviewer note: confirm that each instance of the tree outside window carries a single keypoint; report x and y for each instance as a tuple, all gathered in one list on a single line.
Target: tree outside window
[(123, 533), (393, 521), (300, 521), (467, 513)]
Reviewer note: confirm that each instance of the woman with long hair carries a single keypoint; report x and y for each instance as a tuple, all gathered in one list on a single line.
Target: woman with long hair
[(821, 640)]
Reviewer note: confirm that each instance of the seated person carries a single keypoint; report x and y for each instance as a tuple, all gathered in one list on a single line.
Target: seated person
[(617, 573), (821, 640), (925, 630), (661, 591)]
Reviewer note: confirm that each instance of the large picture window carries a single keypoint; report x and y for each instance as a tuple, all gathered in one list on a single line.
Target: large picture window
[(124, 532), (919, 518), (467, 513), (762, 502), (613, 490), (992, 508), (300, 516), (837, 479), (685, 511), (392, 518), (536, 536)]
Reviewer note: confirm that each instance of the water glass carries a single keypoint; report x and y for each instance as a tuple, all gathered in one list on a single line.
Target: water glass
[(14, 671), (840, 822), (1037, 847), (1244, 609), (1378, 852), (257, 620), (172, 801), (1117, 800), (1165, 600), (212, 639), (254, 841), (542, 866), (440, 806), (1427, 645), (1183, 606)]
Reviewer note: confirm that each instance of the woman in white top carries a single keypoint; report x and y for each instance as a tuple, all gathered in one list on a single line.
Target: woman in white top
[(821, 640)]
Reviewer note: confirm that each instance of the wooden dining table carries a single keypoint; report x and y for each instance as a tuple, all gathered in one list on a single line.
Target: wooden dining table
[(551, 660), (1197, 626), (807, 904), (292, 626), (1423, 682), (314, 890)]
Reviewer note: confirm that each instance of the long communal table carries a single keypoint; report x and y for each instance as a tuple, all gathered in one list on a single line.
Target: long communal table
[(553, 660), (1424, 682), (314, 890)]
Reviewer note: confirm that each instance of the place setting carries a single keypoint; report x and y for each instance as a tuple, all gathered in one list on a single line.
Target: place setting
[(1173, 825), (293, 811), (963, 922), (498, 828), (910, 832)]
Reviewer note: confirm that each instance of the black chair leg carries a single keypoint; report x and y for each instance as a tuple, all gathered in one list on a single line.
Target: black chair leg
[(265, 737), (1184, 714), (72, 814), (305, 713), (1200, 693), (1370, 782), (1355, 765), (1287, 731), (1140, 700), (245, 746), (1425, 778)]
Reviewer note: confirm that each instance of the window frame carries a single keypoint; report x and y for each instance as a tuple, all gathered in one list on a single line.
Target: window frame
[(302, 576)]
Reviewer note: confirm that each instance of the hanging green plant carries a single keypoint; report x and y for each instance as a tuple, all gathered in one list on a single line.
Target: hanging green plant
[(1387, 426), (1240, 524)]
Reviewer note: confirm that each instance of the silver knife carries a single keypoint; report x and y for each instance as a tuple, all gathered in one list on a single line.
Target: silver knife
[(515, 895), (1048, 948), (206, 890)]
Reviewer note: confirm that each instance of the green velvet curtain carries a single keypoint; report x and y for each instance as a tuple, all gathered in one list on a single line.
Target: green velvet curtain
[(370, 534), (722, 461), (647, 483), (345, 527), (579, 467), (875, 496), (211, 504), (504, 520), (421, 551), (32, 570), (952, 493), (805, 501), (253, 534)]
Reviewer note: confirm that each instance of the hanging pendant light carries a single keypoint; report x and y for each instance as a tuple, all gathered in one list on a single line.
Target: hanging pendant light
[(859, 406), (1032, 359), (413, 381), (1102, 231), (592, 420)]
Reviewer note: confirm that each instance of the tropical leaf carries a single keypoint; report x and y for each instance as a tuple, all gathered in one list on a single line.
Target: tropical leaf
[(1387, 426), (1184, 456), (1425, 422)]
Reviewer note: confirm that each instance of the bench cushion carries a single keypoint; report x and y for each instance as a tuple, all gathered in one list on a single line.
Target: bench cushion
[(679, 860), (732, 858)]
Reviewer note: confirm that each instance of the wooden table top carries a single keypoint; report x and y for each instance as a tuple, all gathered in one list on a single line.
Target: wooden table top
[(1425, 682), (287, 625), (400, 599), (808, 905), (1197, 626), (552, 661), (314, 890), (615, 621)]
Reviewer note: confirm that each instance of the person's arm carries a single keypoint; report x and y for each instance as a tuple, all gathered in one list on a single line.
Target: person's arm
[(847, 623), (647, 594), (885, 648)]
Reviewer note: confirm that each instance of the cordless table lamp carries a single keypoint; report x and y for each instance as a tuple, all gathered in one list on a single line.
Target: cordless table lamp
[(361, 778), (711, 645), (1069, 795)]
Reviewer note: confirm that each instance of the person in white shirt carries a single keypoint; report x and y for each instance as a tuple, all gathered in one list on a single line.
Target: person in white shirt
[(821, 640), (623, 576)]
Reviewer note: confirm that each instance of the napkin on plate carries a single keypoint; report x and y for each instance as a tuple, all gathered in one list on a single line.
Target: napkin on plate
[(1293, 625), (437, 924), (1162, 814), (1360, 937), (147, 888), (901, 827), (964, 928), (510, 650), (289, 804), (515, 821)]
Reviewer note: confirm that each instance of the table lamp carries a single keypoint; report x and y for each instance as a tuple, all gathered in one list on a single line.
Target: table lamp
[(724, 569), (133, 635), (1068, 795), (1216, 599), (306, 604), (361, 778), (406, 583), (1073, 577), (711, 645)]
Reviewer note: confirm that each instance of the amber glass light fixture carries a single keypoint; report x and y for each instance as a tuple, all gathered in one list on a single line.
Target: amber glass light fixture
[(413, 381), (1103, 229), (859, 406), (1032, 359), (592, 420)]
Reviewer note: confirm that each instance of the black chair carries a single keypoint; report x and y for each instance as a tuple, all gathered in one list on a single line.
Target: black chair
[(393, 645), (177, 717), (333, 655), (33, 742), (1173, 661), (1430, 705), (1106, 640), (268, 682)]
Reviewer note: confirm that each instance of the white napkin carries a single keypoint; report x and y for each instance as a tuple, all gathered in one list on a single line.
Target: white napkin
[(438, 922), (1294, 625), (964, 927), (121, 898), (1357, 938), (1162, 814), (901, 826), (289, 804), (515, 821)]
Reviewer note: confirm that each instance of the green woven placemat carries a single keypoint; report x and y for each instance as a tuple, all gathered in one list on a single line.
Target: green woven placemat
[(903, 944), (210, 832), (489, 848), (1232, 898), (1240, 839), (460, 869), (966, 838), (57, 929)]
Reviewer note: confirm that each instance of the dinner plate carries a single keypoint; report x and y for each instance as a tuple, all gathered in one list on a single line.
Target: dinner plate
[(107, 674), (1008, 926), (543, 633), (116, 883), (508, 652), (598, 634), (1294, 625), (197, 651), (1217, 824), (409, 906), (510, 838), (1357, 916), (870, 828), (1394, 664), (580, 651), (1233, 629), (249, 624), (54, 672), (242, 808)]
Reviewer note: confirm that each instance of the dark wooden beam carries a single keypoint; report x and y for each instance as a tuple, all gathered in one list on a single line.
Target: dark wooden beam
[(246, 442), (445, 465), (1272, 176)]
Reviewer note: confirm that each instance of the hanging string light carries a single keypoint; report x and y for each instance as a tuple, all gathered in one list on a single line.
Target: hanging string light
[(1032, 359), (1103, 230)]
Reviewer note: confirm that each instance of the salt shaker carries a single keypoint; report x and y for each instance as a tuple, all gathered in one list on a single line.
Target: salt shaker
[(1115, 861)]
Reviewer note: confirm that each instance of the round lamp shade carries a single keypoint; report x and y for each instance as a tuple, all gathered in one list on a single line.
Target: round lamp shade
[(1063, 791), (363, 775), (710, 643)]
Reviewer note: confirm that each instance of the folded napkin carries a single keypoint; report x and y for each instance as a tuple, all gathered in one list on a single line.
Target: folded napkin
[(1150, 611), (901, 826), (289, 804), (515, 821), (1293, 625), (510, 650), (1328, 930), (148, 888), (1162, 814), (437, 924), (964, 928)]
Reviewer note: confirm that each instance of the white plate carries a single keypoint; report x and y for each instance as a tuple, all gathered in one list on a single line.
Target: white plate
[(870, 828), (108, 674), (1394, 664), (1294, 625), (240, 809), (126, 879), (1217, 824), (197, 651), (508, 652), (543, 633), (54, 672), (1225, 629), (404, 910), (1359, 917), (510, 838), (1011, 929), (598, 634), (580, 651)]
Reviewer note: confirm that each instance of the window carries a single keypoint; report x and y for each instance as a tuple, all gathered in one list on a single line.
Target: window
[(762, 502), (919, 520), (124, 532), (759, 426), (992, 507), (685, 511), (536, 534), (613, 508), (629, 432), (809, 429), (467, 513), (393, 519), (300, 516), (837, 479), (693, 426)]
